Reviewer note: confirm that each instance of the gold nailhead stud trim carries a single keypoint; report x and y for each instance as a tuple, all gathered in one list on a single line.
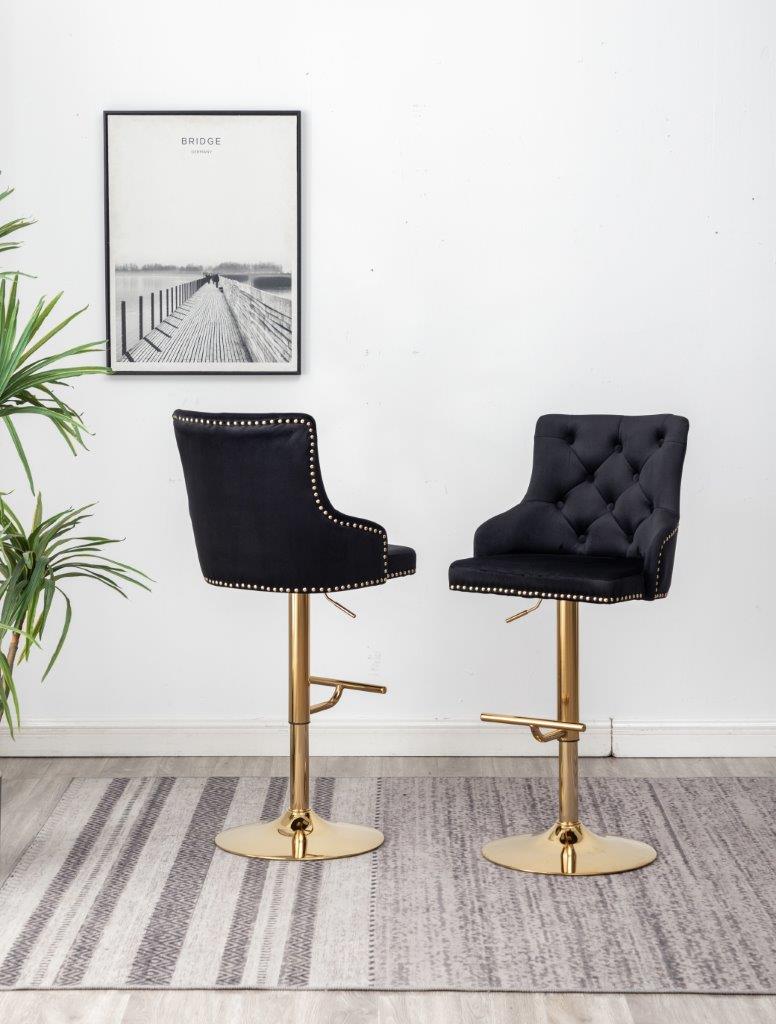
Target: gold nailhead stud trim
[(673, 533), (306, 590), (589, 599)]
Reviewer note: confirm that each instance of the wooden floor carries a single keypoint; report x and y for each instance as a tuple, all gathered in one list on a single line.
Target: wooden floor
[(32, 786), (200, 330)]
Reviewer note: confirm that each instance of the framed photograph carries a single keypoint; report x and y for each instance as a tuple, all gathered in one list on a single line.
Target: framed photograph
[(202, 241)]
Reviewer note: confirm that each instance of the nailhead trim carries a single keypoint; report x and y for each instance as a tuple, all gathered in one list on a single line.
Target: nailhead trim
[(673, 533), (292, 590), (403, 572), (544, 593), (328, 513), (306, 590)]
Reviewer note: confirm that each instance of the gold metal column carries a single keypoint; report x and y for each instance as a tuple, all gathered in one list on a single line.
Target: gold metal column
[(567, 658), (300, 833), (569, 847), (299, 701)]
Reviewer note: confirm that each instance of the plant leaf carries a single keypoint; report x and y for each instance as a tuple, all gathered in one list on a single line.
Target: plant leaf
[(62, 635), (20, 451)]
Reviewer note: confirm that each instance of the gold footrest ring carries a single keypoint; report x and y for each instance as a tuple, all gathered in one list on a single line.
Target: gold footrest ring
[(299, 835), (569, 849)]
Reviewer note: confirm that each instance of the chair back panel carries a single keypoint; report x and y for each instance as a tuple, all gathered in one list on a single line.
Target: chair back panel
[(258, 508), (597, 481)]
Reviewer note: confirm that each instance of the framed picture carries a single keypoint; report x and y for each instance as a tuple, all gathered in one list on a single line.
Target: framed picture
[(202, 241)]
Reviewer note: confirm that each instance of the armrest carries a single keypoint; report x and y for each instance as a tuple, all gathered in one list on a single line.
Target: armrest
[(656, 540), (359, 546), (521, 528)]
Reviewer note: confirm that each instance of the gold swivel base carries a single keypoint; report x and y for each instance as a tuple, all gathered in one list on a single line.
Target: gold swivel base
[(299, 836), (569, 850), (303, 834)]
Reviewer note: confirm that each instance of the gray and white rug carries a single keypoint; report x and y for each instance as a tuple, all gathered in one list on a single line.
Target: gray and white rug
[(123, 888)]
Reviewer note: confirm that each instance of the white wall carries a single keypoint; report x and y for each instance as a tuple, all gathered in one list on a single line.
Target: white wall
[(508, 209)]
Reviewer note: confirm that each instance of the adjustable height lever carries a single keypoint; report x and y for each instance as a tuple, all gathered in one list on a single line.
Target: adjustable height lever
[(336, 604), (524, 612)]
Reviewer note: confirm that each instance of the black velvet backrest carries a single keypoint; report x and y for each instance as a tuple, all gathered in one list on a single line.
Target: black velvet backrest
[(260, 514), (600, 485)]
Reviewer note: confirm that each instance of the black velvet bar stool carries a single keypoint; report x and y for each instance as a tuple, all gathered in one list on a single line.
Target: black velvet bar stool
[(598, 525), (262, 522)]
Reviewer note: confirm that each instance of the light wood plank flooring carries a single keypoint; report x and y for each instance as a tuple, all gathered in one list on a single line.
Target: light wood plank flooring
[(32, 786)]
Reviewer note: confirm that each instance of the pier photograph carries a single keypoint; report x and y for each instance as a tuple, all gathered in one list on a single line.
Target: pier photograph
[(202, 242)]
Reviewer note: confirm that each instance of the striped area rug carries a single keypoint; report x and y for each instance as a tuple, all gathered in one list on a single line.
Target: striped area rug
[(123, 888)]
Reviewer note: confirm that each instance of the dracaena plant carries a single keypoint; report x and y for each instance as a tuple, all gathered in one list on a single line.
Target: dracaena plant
[(34, 568), (35, 564), (10, 227), (30, 374)]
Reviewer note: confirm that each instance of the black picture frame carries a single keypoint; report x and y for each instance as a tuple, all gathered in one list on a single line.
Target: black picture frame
[(297, 284)]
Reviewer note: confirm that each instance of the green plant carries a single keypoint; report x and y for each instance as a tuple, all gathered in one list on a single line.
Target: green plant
[(33, 568), (27, 385), (35, 564), (8, 229)]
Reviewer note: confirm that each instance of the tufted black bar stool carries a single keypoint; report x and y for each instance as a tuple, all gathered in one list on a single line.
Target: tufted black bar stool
[(598, 525), (262, 522)]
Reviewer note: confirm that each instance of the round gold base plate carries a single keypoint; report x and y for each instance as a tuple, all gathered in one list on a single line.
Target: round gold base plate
[(569, 850), (299, 835)]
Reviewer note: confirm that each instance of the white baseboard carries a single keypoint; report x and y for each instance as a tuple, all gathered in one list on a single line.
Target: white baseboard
[(694, 739), (242, 738), (382, 738)]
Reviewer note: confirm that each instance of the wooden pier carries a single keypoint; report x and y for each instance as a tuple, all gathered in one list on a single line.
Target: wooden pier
[(201, 330), (235, 323)]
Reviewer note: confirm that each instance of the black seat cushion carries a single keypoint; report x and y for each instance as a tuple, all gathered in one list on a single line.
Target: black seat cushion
[(262, 519), (567, 576), (603, 489), (401, 560)]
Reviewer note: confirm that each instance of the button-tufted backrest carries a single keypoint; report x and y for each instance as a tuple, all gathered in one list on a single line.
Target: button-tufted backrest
[(600, 485), (601, 478)]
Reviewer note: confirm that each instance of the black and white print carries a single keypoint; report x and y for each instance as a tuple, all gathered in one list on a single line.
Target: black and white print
[(202, 242)]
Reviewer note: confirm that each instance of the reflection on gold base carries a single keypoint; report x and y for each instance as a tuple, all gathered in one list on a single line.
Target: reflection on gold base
[(569, 850), (299, 835)]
